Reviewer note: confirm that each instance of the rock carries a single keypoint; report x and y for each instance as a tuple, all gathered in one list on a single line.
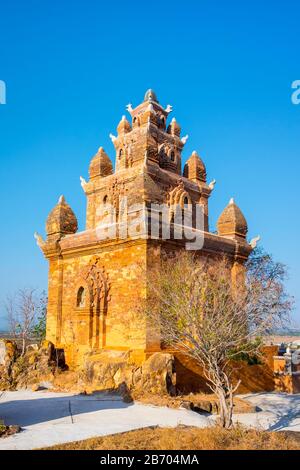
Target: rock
[(9, 430), (47, 349), (32, 347), (111, 369), (203, 406), (46, 385), (14, 429), (8, 355), (32, 359), (187, 405), (158, 374), (8, 352), (215, 408), (108, 370), (35, 387), (22, 372), (127, 399), (118, 377), (5, 380), (125, 392), (137, 376)]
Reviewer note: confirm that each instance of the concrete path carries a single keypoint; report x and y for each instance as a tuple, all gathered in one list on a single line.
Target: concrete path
[(49, 418), (279, 412)]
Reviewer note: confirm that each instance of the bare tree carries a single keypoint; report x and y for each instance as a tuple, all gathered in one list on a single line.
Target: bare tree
[(22, 310), (11, 317), (39, 327), (202, 314)]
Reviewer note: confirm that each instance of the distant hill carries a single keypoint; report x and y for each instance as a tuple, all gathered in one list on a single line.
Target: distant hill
[(287, 332), (4, 334)]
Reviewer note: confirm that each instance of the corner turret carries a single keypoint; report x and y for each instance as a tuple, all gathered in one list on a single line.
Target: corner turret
[(61, 221), (232, 223)]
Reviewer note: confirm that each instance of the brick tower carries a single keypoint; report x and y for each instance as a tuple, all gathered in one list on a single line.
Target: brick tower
[(95, 275)]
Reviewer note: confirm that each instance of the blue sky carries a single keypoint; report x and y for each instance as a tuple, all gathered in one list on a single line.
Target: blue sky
[(71, 68)]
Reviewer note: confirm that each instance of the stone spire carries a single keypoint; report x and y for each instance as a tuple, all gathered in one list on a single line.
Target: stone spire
[(61, 220), (194, 168), (232, 222), (148, 136), (150, 95), (174, 128), (100, 165), (124, 126)]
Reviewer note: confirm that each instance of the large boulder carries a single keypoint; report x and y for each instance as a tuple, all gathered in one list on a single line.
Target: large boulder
[(158, 374), (111, 370), (107, 370)]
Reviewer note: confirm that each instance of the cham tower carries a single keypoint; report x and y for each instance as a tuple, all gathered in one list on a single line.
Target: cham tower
[(95, 276)]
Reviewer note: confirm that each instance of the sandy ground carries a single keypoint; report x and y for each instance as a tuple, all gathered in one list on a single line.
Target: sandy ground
[(49, 418)]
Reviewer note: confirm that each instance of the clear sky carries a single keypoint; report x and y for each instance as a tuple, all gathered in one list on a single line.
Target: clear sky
[(71, 67)]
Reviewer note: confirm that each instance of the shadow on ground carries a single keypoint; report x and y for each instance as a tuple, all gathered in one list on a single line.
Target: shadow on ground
[(44, 409)]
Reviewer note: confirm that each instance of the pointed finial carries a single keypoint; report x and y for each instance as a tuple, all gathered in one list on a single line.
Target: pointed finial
[(212, 184), (254, 242), (150, 96), (82, 182), (184, 139), (129, 108), (39, 239), (61, 199), (232, 222)]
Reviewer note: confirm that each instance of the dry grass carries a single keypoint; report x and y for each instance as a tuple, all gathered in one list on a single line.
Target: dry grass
[(188, 438)]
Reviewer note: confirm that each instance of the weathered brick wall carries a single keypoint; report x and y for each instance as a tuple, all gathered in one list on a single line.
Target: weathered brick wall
[(120, 326), (54, 298)]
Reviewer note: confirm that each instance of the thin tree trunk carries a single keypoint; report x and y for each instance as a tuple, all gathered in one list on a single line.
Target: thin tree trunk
[(23, 346), (230, 409), (226, 407), (222, 407)]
